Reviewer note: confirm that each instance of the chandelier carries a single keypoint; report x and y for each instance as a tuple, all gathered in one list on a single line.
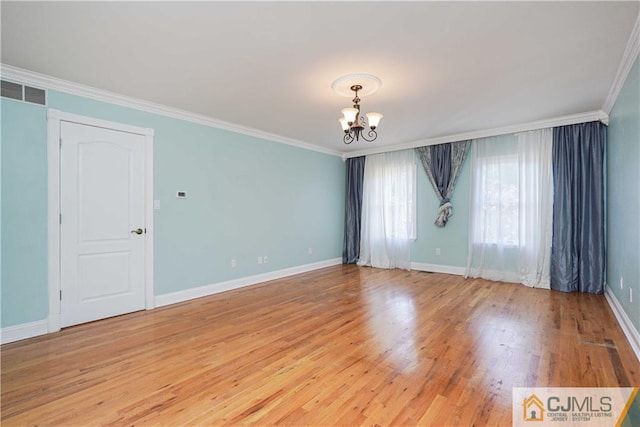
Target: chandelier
[(352, 122)]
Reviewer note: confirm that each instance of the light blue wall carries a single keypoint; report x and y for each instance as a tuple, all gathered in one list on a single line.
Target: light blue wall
[(623, 196), (247, 197), (250, 197), (451, 239), (24, 213)]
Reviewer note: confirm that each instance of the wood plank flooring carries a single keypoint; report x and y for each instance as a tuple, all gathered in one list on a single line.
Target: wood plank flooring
[(338, 346)]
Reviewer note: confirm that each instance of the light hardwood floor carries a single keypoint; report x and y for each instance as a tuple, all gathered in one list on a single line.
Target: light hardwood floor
[(339, 346)]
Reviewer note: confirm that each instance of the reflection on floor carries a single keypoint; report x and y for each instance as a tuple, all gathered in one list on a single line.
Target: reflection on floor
[(339, 346)]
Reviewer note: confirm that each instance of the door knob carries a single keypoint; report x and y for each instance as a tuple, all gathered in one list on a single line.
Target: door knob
[(137, 231)]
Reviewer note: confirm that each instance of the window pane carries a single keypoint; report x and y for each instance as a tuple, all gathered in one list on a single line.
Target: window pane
[(500, 201)]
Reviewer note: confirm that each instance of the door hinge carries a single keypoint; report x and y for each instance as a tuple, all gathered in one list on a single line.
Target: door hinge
[(60, 295), (60, 140), (60, 219)]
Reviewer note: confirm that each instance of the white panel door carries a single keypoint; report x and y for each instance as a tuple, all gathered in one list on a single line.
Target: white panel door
[(102, 224)]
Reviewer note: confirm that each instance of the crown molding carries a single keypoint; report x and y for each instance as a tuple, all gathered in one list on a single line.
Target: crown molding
[(43, 81), (628, 59), (541, 124)]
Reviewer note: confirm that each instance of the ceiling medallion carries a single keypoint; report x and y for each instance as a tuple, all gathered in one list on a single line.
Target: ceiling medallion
[(353, 124)]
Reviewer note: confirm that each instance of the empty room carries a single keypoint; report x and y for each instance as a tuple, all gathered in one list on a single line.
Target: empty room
[(320, 213)]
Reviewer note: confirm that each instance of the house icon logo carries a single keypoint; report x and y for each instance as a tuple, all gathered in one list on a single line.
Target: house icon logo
[(533, 409)]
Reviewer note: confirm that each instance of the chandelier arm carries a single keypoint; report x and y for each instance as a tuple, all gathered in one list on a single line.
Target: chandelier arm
[(348, 138), (372, 135)]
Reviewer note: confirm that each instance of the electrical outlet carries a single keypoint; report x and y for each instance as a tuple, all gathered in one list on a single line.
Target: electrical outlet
[(265, 259), (234, 263), (630, 294), (310, 251), (621, 282), (259, 260), (438, 252)]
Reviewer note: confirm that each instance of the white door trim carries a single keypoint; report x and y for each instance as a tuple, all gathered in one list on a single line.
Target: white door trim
[(54, 117)]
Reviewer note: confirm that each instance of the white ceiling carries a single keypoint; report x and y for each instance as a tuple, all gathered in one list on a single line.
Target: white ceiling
[(446, 67)]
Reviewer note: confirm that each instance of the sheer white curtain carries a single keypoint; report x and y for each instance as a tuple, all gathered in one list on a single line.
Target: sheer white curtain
[(511, 208), (388, 210)]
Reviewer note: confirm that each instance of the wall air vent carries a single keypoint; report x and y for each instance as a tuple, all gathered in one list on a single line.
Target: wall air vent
[(24, 93)]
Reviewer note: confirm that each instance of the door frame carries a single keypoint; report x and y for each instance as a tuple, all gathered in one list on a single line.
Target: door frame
[(54, 118)]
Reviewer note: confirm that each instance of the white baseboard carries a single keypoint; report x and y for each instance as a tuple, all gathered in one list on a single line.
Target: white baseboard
[(625, 323), (202, 291), (23, 331), (52, 324), (55, 324), (435, 268)]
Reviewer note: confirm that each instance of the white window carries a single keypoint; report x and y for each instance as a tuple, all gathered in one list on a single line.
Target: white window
[(393, 204), (511, 208), (498, 207), (388, 210)]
